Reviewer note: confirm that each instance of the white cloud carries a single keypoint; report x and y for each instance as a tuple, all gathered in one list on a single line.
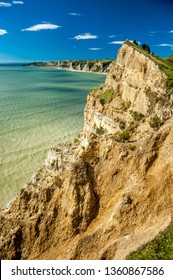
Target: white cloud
[(117, 42), (41, 26), (74, 14), (171, 31), (165, 45), (18, 2), (3, 32), (114, 36), (85, 36), (95, 49), (153, 33), (5, 4)]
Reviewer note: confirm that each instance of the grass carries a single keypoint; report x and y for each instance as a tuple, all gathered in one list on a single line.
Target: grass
[(122, 136), (161, 248), (137, 116), (125, 105), (122, 125), (165, 65), (155, 122), (100, 130), (132, 147), (107, 96), (170, 58)]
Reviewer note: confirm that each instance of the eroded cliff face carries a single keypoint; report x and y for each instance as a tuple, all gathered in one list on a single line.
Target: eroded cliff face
[(108, 192), (99, 66), (134, 83)]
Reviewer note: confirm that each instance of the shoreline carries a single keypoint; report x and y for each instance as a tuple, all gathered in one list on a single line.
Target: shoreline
[(80, 71), (85, 66), (9, 199)]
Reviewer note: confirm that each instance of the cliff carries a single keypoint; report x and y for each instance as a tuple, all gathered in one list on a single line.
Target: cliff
[(104, 195), (99, 66)]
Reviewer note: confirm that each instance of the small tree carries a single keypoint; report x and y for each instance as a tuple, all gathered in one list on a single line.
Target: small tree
[(145, 47), (135, 42)]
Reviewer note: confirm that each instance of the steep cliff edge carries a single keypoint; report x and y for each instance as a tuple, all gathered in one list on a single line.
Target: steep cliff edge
[(99, 66), (111, 190)]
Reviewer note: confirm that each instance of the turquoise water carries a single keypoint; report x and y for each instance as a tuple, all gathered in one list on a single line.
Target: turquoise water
[(39, 108)]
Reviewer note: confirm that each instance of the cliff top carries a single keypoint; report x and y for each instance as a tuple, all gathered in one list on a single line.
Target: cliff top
[(166, 65)]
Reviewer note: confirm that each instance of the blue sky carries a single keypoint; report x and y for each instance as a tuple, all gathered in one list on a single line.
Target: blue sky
[(43, 30)]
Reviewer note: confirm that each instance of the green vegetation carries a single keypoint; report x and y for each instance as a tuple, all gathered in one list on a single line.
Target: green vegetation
[(155, 122), (132, 147), (98, 68), (122, 136), (165, 65), (170, 58), (100, 130), (137, 116), (76, 140), (169, 73), (161, 248), (145, 47), (107, 96), (135, 42), (89, 63), (122, 125), (125, 105)]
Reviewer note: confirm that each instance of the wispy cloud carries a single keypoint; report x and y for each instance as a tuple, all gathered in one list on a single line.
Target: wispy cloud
[(165, 45), (18, 2), (3, 32), (152, 33), (85, 36), (5, 4), (74, 14), (156, 32), (116, 43), (114, 36), (95, 49), (42, 26), (171, 31)]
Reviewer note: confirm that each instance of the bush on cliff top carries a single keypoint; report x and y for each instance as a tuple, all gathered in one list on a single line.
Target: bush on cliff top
[(165, 65)]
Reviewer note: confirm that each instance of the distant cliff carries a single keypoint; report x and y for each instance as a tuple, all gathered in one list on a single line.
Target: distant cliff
[(109, 191), (99, 66)]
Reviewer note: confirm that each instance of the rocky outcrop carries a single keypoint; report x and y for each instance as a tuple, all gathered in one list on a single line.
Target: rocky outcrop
[(104, 195), (99, 66), (135, 84)]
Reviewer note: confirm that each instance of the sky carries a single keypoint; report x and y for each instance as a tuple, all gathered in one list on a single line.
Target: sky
[(47, 30)]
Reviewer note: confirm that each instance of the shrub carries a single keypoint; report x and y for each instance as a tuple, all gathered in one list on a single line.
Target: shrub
[(122, 125), (107, 96), (155, 122), (76, 140), (135, 42), (132, 147), (145, 47), (137, 116), (100, 130), (122, 136), (125, 105)]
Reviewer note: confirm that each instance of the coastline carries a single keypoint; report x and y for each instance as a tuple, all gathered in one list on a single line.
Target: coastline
[(80, 71), (86, 66), (50, 116)]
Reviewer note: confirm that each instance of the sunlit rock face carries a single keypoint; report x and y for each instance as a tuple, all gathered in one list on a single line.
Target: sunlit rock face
[(111, 190)]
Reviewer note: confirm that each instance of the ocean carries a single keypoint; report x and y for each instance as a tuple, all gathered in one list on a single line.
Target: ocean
[(39, 108)]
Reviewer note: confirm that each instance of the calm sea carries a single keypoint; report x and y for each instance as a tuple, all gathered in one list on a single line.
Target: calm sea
[(39, 108)]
